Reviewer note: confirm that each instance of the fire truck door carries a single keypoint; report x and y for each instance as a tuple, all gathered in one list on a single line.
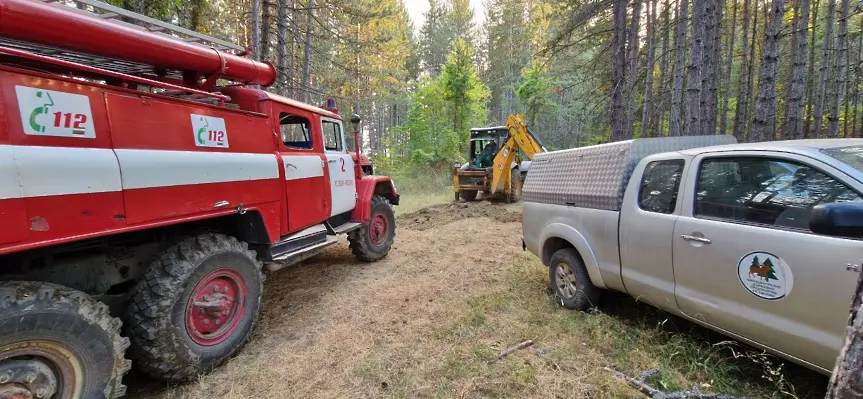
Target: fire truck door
[(305, 181), (341, 168)]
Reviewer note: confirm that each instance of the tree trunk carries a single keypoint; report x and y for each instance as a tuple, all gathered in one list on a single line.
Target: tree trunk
[(633, 67), (764, 122), (793, 125), (841, 69), (693, 80), (282, 48), (855, 132), (265, 29), (825, 65), (708, 68), (676, 123), (741, 110), (307, 59), (256, 29), (651, 58), (846, 381), (658, 115), (618, 72), (729, 63), (810, 75)]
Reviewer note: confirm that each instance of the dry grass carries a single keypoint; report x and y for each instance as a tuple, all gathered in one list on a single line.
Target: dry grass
[(412, 203), (430, 319)]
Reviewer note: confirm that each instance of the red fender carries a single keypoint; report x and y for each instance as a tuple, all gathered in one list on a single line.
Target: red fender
[(368, 187)]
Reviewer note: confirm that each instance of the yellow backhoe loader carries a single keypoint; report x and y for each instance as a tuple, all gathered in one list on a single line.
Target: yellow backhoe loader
[(494, 165)]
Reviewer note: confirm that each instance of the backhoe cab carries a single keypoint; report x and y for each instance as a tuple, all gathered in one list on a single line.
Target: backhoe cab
[(494, 163)]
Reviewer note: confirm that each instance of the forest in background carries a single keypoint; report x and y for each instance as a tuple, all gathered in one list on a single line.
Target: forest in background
[(580, 71)]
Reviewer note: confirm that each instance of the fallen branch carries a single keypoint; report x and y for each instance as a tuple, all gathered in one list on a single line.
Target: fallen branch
[(641, 385), (509, 351)]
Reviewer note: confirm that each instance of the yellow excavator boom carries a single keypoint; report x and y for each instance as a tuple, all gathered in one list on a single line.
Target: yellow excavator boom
[(520, 137)]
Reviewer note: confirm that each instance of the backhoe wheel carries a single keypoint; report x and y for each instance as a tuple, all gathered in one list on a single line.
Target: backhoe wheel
[(195, 307), (56, 342), (468, 195), (373, 241), (570, 281), (514, 187)]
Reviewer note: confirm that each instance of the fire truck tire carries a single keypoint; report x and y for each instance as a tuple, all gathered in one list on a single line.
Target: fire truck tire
[(50, 333), (195, 307), (373, 241)]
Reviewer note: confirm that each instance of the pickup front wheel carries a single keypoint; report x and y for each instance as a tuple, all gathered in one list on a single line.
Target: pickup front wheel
[(570, 282)]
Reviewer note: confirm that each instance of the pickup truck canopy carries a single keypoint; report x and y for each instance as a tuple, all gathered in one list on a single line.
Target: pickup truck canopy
[(596, 176)]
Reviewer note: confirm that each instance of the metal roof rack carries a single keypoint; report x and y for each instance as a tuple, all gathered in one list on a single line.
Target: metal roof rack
[(121, 16)]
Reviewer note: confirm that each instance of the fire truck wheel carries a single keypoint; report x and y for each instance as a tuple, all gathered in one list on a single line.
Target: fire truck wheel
[(195, 307), (373, 241), (58, 343)]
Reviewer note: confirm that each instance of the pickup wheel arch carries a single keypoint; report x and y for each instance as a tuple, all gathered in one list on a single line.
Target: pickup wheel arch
[(558, 236)]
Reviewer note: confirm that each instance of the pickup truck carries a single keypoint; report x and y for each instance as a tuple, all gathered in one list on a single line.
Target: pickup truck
[(762, 242)]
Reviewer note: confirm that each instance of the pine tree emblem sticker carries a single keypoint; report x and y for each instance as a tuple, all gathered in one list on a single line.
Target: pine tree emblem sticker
[(765, 275)]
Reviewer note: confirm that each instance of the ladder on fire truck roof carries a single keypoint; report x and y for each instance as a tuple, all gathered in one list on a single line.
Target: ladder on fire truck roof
[(110, 48), (120, 15)]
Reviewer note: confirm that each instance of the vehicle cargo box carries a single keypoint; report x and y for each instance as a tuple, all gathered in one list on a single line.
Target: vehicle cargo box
[(596, 176)]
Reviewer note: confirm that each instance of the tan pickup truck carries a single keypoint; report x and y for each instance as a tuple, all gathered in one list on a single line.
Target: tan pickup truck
[(762, 242)]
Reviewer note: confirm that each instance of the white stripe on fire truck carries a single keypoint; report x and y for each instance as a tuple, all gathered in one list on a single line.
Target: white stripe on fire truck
[(155, 168), (32, 171), (302, 166)]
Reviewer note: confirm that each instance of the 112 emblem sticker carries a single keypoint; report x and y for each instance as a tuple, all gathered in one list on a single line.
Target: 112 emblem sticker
[(209, 131), (55, 113), (765, 275)]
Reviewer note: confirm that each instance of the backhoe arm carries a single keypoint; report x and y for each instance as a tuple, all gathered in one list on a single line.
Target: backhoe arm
[(520, 137)]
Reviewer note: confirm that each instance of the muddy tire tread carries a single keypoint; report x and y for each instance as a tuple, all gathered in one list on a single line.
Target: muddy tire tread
[(23, 294), (153, 299), (588, 296), (359, 240)]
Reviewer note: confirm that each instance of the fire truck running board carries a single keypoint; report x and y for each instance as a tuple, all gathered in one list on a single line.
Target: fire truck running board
[(300, 240), (347, 227), (288, 259)]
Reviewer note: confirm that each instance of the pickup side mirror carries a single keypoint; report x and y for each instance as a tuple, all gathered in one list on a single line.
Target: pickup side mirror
[(838, 219)]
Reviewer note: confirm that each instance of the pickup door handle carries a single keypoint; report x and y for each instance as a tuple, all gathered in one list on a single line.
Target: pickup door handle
[(702, 240)]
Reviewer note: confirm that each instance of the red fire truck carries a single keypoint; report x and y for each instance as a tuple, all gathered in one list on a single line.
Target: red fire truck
[(145, 182)]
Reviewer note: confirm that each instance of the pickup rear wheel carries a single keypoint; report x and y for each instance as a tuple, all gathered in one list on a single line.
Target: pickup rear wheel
[(570, 281), (195, 307)]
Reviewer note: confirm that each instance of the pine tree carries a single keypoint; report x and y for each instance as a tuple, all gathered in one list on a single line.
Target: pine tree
[(771, 272)]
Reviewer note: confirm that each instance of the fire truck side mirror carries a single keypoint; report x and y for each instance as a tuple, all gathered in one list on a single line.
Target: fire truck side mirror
[(355, 119)]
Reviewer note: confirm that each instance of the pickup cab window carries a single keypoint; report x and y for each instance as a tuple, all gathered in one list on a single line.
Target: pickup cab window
[(851, 155), (765, 191), (659, 186)]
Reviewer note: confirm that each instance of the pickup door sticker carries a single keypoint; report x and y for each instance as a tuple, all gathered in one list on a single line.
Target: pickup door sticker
[(55, 113), (765, 275)]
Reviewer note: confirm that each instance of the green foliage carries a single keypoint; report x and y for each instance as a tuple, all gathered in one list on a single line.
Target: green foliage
[(535, 91), (463, 90), (443, 110)]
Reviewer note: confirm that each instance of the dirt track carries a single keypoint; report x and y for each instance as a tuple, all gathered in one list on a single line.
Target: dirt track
[(332, 324)]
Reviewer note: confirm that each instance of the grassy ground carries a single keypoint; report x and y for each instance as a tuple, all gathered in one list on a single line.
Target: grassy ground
[(430, 320)]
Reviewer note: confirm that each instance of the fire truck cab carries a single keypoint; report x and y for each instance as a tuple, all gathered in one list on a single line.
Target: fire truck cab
[(146, 184)]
